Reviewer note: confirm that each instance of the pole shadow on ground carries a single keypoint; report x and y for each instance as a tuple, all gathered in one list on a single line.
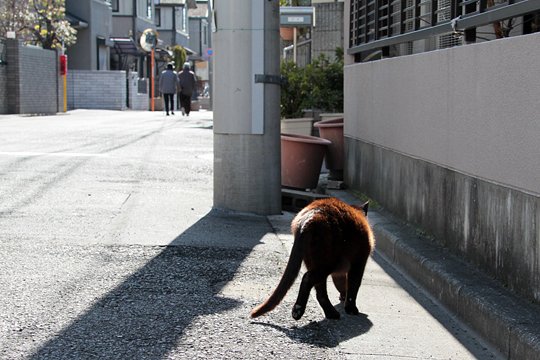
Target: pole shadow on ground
[(147, 314)]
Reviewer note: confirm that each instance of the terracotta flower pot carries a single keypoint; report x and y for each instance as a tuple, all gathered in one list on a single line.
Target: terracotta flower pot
[(301, 160), (286, 33), (332, 130)]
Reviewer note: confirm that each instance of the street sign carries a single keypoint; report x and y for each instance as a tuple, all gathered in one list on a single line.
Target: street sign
[(296, 16)]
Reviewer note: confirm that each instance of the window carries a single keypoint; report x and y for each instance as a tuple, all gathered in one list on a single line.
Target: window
[(204, 33), (149, 9), (114, 5), (424, 25), (180, 18), (158, 17)]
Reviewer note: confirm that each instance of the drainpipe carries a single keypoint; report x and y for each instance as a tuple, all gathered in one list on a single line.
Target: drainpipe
[(142, 66), (247, 162), (134, 20), (173, 36)]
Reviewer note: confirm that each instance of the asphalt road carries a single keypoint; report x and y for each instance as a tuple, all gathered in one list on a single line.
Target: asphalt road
[(110, 249)]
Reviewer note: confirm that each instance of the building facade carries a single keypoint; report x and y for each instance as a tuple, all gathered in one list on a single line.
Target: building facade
[(200, 43), (448, 139), (171, 20), (93, 21)]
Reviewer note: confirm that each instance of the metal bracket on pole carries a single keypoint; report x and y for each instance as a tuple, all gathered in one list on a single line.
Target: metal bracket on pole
[(268, 79)]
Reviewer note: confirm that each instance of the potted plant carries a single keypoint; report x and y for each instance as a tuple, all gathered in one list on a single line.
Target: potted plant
[(318, 85)]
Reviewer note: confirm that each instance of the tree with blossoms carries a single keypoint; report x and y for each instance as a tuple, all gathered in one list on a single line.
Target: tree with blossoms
[(37, 22), (48, 26)]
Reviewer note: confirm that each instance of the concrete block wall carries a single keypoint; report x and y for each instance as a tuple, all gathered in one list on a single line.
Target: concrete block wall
[(38, 81), (31, 80), (328, 32), (3, 89), (448, 140), (30, 83), (97, 90), (12, 76), (137, 100)]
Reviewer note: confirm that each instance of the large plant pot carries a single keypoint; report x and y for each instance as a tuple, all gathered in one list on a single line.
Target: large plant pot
[(301, 160), (332, 130), (286, 33), (299, 126)]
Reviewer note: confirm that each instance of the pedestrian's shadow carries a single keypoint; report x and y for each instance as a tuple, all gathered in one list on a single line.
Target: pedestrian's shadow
[(147, 314), (326, 333)]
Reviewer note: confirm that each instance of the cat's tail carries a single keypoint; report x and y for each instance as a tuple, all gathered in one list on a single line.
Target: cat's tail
[(290, 274)]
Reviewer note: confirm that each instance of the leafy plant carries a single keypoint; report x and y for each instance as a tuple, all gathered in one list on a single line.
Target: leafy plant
[(291, 90), (179, 57), (319, 85)]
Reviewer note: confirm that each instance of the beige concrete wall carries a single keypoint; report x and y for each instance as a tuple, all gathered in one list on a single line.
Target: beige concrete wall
[(473, 109)]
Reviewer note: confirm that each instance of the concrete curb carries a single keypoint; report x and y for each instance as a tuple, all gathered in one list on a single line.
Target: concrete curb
[(508, 322)]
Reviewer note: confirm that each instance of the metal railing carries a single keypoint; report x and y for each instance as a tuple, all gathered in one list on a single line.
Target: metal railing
[(377, 25)]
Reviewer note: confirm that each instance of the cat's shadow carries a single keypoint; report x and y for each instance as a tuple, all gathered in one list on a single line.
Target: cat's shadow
[(326, 333)]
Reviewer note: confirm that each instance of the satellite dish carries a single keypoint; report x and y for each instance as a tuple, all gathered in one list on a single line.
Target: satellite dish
[(149, 39)]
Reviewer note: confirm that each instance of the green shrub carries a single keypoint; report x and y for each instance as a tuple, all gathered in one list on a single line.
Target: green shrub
[(179, 57), (317, 86)]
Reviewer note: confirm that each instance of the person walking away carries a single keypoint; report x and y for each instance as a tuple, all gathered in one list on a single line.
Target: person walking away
[(168, 83), (187, 82)]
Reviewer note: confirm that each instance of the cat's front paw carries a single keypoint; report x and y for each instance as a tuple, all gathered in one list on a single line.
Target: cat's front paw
[(297, 311)]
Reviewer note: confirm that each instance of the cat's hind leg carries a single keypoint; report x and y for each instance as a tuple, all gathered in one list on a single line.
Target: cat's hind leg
[(310, 279), (322, 297), (354, 279)]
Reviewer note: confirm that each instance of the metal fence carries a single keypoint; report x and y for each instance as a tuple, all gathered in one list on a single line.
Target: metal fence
[(390, 27)]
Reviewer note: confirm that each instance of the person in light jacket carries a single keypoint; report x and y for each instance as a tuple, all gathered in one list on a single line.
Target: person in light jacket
[(187, 82), (168, 83)]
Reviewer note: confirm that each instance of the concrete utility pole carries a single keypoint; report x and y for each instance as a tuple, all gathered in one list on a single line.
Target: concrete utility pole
[(247, 162)]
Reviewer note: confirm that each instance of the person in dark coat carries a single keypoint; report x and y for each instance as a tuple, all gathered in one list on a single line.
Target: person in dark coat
[(168, 83), (187, 83)]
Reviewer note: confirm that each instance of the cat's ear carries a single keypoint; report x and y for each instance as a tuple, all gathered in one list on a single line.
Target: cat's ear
[(365, 207)]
